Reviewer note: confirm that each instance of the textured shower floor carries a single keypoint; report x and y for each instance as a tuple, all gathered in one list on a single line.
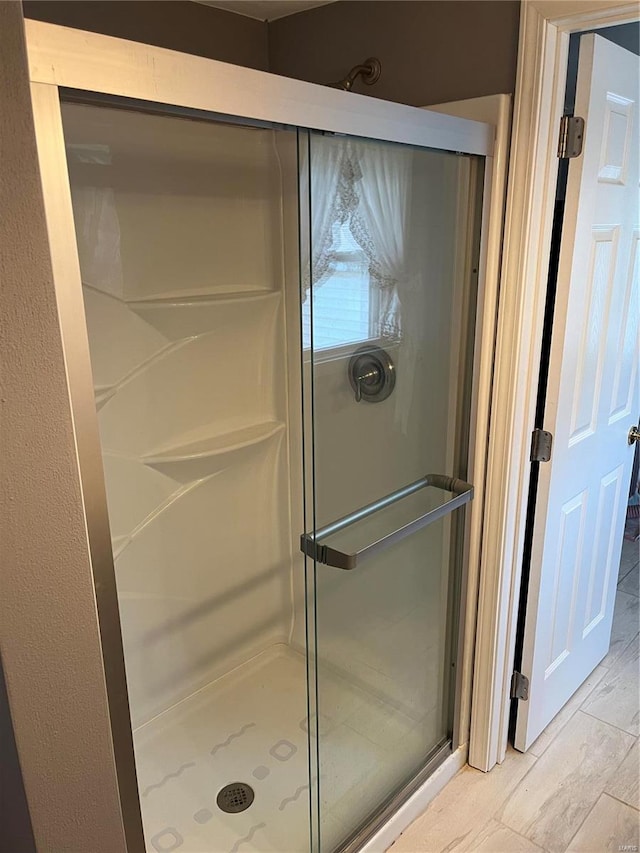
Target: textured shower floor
[(250, 726)]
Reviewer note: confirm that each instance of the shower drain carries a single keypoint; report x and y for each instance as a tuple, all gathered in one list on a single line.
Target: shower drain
[(235, 797)]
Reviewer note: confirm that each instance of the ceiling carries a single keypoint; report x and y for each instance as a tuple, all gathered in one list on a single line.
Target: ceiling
[(265, 10)]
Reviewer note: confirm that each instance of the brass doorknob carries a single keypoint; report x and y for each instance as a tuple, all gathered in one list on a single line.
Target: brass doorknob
[(634, 435)]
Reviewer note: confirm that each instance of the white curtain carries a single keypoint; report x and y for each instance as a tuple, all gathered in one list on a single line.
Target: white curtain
[(332, 199), (379, 223)]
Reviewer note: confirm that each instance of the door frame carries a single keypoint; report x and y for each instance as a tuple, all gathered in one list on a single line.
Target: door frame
[(545, 29)]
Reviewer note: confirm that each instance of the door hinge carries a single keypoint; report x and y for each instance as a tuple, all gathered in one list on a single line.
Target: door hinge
[(519, 686), (571, 137), (541, 441)]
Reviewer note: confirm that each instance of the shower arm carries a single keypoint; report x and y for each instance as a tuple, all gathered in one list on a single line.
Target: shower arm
[(369, 71)]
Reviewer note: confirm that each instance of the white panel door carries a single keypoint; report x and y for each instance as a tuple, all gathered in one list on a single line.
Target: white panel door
[(592, 396)]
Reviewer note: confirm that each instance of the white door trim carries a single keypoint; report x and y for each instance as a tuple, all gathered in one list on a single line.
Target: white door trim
[(545, 28), (494, 110)]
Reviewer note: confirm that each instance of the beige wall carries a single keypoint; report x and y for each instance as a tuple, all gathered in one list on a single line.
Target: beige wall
[(431, 52), (49, 637), (174, 24)]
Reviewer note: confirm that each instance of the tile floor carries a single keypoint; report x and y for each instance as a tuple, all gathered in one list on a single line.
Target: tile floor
[(577, 788)]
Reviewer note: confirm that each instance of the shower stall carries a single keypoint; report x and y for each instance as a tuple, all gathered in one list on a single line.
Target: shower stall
[(268, 295)]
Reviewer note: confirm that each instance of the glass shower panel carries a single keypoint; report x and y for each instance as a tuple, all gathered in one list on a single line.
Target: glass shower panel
[(186, 237), (390, 420)]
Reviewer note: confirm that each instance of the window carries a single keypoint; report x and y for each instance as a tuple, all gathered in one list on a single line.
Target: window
[(344, 304)]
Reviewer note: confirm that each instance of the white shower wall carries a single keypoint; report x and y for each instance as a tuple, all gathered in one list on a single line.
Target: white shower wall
[(180, 237)]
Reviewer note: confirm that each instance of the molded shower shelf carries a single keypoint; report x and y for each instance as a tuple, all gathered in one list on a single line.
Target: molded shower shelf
[(205, 456), (179, 297), (117, 544), (103, 394), (182, 317)]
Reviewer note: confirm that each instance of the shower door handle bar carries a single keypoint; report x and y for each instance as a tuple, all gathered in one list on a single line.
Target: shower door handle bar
[(312, 546)]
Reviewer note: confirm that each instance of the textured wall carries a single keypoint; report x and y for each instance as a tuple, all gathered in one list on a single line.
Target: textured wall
[(16, 833), (48, 628), (174, 24), (431, 52)]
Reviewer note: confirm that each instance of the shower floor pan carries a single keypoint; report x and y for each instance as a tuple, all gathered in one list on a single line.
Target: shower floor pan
[(250, 727)]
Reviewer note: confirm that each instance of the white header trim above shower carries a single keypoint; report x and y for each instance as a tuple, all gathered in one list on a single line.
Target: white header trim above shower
[(77, 59)]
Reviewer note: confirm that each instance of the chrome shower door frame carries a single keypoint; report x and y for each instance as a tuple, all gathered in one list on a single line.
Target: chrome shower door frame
[(63, 58)]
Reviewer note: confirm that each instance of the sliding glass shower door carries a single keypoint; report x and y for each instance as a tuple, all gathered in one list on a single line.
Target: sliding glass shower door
[(211, 270), (389, 268)]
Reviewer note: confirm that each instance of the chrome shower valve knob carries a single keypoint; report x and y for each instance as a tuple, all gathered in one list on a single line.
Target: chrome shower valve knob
[(372, 374)]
